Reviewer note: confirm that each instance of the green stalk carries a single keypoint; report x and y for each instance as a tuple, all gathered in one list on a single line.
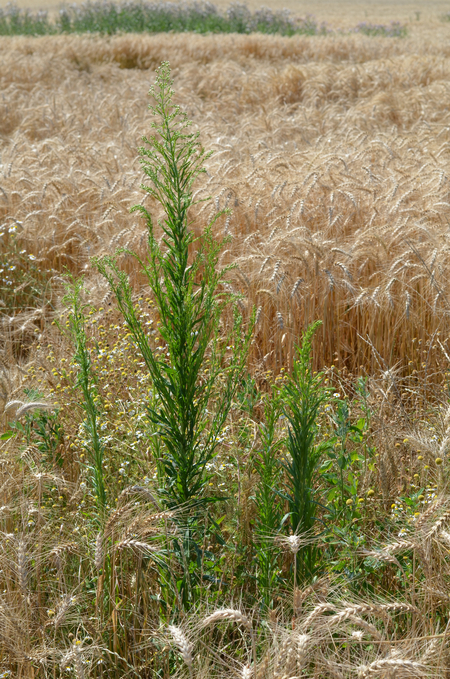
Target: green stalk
[(304, 394), (190, 404), (87, 386), (267, 499)]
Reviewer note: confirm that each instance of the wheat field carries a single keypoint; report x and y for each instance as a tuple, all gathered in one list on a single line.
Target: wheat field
[(332, 154)]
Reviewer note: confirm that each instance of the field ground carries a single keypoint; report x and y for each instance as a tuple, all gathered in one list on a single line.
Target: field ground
[(333, 155)]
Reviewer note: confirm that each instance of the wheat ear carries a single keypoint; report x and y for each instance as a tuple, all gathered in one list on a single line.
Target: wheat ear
[(317, 612), (62, 610), (78, 661), (438, 525), (35, 405), (22, 566), (332, 670), (135, 545), (378, 610), (432, 509), (357, 620), (183, 644), (99, 552), (282, 654), (230, 614), (302, 650), (58, 551), (11, 405), (233, 615), (430, 651), (396, 666)]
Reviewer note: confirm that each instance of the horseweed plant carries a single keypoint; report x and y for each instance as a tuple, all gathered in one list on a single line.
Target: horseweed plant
[(197, 376), (303, 395), (348, 455), (267, 497), (86, 383), (347, 481)]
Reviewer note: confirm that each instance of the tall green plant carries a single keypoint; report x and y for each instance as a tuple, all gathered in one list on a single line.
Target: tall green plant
[(267, 498), (198, 374), (303, 394), (86, 383)]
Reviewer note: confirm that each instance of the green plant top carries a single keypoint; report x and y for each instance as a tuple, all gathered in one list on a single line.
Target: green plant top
[(197, 376)]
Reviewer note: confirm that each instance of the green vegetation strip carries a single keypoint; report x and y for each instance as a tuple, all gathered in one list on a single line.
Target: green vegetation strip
[(162, 17)]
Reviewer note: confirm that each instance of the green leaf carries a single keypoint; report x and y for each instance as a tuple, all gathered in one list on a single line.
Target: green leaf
[(7, 435), (332, 494)]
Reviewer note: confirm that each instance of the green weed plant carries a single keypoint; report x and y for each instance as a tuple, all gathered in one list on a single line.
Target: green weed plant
[(86, 384), (134, 16), (197, 377), (304, 394), (268, 498)]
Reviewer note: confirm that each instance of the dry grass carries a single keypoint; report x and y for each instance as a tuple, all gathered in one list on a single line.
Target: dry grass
[(332, 634)]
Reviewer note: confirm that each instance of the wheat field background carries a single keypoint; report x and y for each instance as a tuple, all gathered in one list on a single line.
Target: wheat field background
[(332, 152)]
